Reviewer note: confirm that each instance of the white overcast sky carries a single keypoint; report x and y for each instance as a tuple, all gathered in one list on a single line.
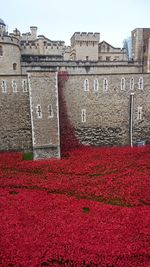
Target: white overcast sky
[(59, 19)]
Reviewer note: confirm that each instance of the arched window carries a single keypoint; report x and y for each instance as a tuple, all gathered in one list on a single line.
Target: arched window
[(14, 66), (86, 85), (1, 50)]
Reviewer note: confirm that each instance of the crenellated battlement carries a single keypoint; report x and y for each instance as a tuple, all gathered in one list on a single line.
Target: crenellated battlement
[(85, 45), (34, 44), (85, 37), (42, 46), (9, 39), (42, 42)]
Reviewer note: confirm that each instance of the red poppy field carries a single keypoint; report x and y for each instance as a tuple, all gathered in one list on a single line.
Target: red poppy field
[(91, 208)]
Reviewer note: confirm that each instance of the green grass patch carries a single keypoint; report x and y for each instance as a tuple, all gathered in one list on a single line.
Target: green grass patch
[(86, 209), (27, 156), (13, 192), (117, 202)]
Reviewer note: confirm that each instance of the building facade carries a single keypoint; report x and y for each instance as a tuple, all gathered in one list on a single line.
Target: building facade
[(55, 97)]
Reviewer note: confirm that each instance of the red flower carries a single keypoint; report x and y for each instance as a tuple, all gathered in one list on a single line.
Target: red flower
[(43, 216)]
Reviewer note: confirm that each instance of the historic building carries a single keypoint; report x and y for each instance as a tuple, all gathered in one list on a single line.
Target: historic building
[(55, 97)]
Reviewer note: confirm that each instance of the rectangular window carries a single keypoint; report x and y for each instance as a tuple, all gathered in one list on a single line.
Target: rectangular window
[(123, 84), (39, 112), (14, 86), (4, 86), (132, 83), (96, 85), (86, 85), (140, 83), (50, 111), (14, 66), (105, 85), (139, 113), (24, 85), (107, 58), (83, 115), (1, 51)]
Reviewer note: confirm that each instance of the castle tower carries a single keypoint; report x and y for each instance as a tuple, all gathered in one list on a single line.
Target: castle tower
[(9, 51), (84, 46), (137, 44), (140, 47), (2, 27)]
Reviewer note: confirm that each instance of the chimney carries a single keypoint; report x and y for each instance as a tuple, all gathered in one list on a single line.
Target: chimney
[(33, 30)]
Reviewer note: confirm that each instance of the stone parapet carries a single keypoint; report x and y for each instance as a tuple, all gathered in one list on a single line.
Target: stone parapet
[(8, 39)]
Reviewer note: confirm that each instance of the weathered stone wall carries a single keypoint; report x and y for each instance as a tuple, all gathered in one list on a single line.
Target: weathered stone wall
[(34, 116), (34, 44), (108, 112), (112, 56), (146, 50), (82, 67), (44, 114), (137, 44), (15, 130), (40, 47), (110, 53), (11, 55), (84, 46)]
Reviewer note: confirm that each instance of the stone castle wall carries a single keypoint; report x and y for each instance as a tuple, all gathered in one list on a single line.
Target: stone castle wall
[(137, 44), (15, 130), (91, 106), (108, 111), (84, 46), (11, 55), (106, 52), (82, 67), (44, 114), (40, 47), (30, 113)]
